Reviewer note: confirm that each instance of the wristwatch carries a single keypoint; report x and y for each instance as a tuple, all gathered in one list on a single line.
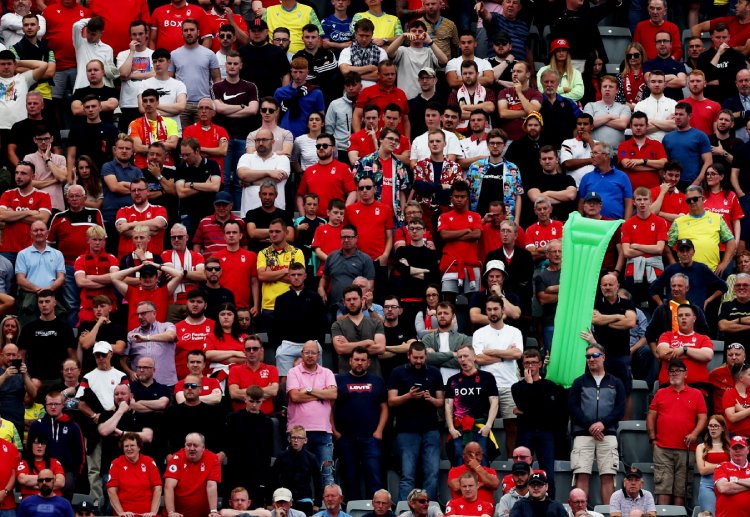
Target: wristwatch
[(159, 178), (684, 350), (645, 161), (308, 389)]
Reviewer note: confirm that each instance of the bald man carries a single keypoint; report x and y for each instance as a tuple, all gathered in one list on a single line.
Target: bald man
[(46, 503)]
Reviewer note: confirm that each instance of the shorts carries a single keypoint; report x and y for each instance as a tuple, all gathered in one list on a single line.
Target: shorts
[(450, 283), (288, 352), (670, 471), (507, 405), (64, 81), (585, 448)]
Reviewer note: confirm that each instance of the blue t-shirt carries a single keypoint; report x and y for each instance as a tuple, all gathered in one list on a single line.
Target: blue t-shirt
[(687, 147), (38, 506), (113, 202), (614, 187), (338, 31)]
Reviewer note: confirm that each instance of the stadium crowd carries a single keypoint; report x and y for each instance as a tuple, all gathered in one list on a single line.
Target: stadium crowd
[(277, 254)]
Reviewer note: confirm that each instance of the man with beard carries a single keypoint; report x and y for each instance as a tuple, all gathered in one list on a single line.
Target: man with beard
[(360, 415), (676, 75), (258, 168), (214, 292), (354, 330), (723, 140), (553, 184), (517, 103), (193, 331), (399, 335), (275, 69), (415, 391), (191, 479), (520, 472), (720, 63), (46, 503), (640, 157), (471, 95)]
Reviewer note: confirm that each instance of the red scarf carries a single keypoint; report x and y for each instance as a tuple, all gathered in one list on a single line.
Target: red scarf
[(161, 130), (632, 84)]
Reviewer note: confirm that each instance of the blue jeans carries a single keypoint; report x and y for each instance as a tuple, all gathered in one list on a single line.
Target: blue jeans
[(706, 494), (320, 444), (548, 331), (543, 444), (355, 451), (236, 149), (410, 446), (458, 448), (71, 296)]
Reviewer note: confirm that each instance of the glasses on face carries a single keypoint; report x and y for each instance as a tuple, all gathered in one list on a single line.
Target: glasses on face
[(691, 200), (391, 307), (267, 110), (191, 385), (225, 36), (281, 40), (422, 501), (322, 146), (659, 41), (595, 355), (43, 138), (263, 139), (634, 55), (177, 237), (213, 268), (252, 348), (416, 228), (143, 313), (348, 237), (676, 371), (495, 144), (45, 480), (365, 187)]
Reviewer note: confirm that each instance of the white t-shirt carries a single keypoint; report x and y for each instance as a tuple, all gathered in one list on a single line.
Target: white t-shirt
[(222, 58), (420, 150), (131, 89), (487, 338), (169, 90), (471, 148), (454, 65), (345, 58), (251, 194), (103, 384), (574, 149), (13, 92)]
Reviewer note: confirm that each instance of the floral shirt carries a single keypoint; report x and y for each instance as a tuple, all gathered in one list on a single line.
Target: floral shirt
[(512, 185), (423, 172), (371, 167)]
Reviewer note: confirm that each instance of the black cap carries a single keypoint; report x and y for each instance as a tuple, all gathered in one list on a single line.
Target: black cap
[(592, 196), (85, 504), (634, 472), (676, 363), (148, 270), (520, 467), (685, 243), (258, 24), (538, 478), (501, 38)]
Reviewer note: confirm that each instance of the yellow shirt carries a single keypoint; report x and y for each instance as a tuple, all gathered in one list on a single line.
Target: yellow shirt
[(276, 16), (386, 25), (277, 259)]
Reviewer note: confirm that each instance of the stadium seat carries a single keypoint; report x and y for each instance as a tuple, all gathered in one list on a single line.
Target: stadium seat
[(563, 480), (278, 447), (686, 35), (444, 493), (718, 358), (616, 40), (639, 398), (498, 429), (696, 511), (602, 509), (531, 342), (612, 68), (358, 507), (632, 439), (670, 510), (648, 475)]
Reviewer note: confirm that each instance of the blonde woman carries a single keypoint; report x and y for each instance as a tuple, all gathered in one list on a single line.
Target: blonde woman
[(571, 82), (630, 80)]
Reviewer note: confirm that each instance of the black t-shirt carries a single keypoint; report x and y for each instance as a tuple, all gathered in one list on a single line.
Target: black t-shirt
[(492, 187), (471, 394), (168, 201), (421, 257), (616, 342), (110, 332), (544, 280), (22, 134), (731, 311), (201, 204), (730, 62), (742, 162), (262, 219), (214, 298), (394, 336), (94, 140), (728, 144), (358, 404), (47, 345), (103, 94), (130, 421), (417, 107), (234, 94), (555, 183), (417, 415), (267, 77), (206, 419)]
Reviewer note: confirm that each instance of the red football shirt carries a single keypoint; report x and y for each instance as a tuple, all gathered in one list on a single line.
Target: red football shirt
[(60, 20), (328, 239), (214, 21), (729, 399), (243, 376), (485, 494), (210, 136), (167, 22), (331, 181), (643, 231), (673, 203), (190, 337), (191, 499), (461, 506), (134, 482), (68, 233), (131, 214), (101, 264), (208, 385), (9, 458), (455, 252), (652, 150), (372, 222), (539, 235), (676, 414), (238, 267), (734, 504), (704, 114), (697, 372), (23, 468), (16, 235), (117, 17), (135, 295)]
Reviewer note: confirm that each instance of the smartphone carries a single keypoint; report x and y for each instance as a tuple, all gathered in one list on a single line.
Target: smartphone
[(16, 363), (418, 386)]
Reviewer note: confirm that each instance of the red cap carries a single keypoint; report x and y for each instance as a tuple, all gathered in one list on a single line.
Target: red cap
[(559, 43), (738, 440)]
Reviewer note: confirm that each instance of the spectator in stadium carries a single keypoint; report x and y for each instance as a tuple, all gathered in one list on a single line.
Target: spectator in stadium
[(705, 110), (259, 170), (736, 106), (658, 107), (210, 390), (720, 64), (467, 44), (34, 459), (354, 330), (364, 55), (611, 115), (648, 32), (154, 338), (632, 497), (539, 235), (311, 390), (469, 503), (444, 327), (134, 483), (239, 502), (559, 112), (322, 62), (209, 237), (729, 478), (419, 502), (298, 468), (733, 402), (721, 377), (191, 479), (664, 60), (571, 82), (612, 185), (15, 384), (486, 477), (298, 98), (605, 410), (688, 145), (641, 157), (239, 268), (339, 114), (709, 454), (676, 417), (96, 86), (520, 472), (44, 502), (422, 52), (224, 347), (253, 373), (431, 194), (721, 199)]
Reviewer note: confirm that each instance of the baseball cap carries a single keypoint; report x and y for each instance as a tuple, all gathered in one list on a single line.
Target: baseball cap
[(258, 25), (282, 494), (559, 43), (634, 472), (520, 466), (685, 243), (102, 347), (738, 440), (223, 197), (538, 478), (85, 505), (676, 363), (495, 264), (427, 70), (501, 38), (592, 196), (148, 270)]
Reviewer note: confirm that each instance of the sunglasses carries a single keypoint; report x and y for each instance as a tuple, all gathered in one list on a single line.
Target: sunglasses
[(191, 385), (365, 187), (634, 55), (322, 146), (252, 348), (691, 200), (595, 355), (45, 480), (225, 36), (422, 501), (213, 268), (268, 110)]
